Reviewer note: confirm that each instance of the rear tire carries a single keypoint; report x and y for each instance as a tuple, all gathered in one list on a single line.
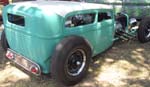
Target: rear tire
[(144, 30), (4, 42), (71, 60)]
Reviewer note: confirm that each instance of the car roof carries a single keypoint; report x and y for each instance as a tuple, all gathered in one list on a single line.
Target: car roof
[(62, 7)]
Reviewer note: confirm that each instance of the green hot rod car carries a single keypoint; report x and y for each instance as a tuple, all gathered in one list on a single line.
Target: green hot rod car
[(61, 37)]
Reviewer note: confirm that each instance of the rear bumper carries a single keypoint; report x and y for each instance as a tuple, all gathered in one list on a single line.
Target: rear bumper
[(23, 62)]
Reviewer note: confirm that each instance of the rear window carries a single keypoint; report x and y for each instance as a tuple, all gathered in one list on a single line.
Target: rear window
[(16, 19)]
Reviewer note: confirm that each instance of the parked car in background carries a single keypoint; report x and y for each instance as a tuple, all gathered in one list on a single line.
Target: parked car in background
[(133, 8)]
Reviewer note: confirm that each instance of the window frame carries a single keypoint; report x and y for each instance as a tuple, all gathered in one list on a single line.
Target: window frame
[(105, 11), (22, 16), (94, 11)]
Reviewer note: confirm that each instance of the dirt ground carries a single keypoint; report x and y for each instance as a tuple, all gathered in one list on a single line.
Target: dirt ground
[(126, 64)]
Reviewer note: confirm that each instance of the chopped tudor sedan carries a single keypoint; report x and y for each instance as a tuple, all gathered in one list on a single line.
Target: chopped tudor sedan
[(57, 37)]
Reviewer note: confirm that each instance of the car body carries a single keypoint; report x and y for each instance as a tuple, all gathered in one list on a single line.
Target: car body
[(41, 32)]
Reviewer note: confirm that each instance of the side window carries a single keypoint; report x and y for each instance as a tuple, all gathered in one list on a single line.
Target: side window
[(103, 16), (80, 19)]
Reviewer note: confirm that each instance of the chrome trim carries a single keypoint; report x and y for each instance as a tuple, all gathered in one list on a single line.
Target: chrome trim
[(25, 58)]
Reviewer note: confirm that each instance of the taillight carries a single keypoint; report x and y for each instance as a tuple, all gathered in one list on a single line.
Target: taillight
[(9, 55), (34, 69)]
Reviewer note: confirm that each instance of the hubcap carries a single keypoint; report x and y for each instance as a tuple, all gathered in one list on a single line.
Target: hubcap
[(76, 62)]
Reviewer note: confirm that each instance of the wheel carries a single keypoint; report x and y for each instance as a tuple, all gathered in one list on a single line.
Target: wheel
[(144, 30), (71, 60), (4, 42)]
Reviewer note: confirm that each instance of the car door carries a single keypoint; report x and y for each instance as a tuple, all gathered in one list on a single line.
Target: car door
[(82, 24), (105, 31)]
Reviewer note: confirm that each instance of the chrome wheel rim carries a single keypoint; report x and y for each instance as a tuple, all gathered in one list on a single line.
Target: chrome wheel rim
[(76, 62), (147, 30)]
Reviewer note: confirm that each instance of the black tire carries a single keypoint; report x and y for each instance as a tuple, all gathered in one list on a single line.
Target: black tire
[(4, 42), (66, 70), (144, 30)]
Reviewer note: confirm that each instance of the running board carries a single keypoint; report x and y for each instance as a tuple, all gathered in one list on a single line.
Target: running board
[(124, 36)]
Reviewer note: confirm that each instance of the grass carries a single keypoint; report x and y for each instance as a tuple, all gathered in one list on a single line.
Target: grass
[(126, 64)]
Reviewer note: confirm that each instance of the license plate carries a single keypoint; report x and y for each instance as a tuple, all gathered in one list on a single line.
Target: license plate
[(23, 62)]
